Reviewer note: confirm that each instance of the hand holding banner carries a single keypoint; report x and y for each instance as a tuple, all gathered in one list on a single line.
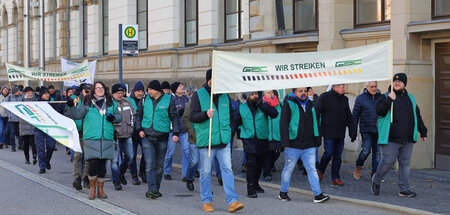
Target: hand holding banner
[(42, 116)]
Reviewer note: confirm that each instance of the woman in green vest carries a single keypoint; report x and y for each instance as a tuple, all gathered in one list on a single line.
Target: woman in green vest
[(99, 113)]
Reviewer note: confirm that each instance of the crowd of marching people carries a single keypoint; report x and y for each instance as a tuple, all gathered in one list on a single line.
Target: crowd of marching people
[(113, 126)]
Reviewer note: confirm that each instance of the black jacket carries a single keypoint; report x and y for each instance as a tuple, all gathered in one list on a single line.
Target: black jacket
[(149, 132), (364, 112), (198, 116), (255, 145), (305, 135), (335, 115), (402, 126)]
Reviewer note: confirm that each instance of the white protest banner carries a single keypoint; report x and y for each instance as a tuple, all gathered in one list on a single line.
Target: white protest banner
[(68, 65), (42, 116), (243, 72), (17, 73)]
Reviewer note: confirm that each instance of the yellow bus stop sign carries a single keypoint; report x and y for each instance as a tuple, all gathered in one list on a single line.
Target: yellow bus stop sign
[(130, 32)]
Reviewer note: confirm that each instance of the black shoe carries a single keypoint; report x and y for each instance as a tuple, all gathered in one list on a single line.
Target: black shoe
[(55, 149), (167, 177), (220, 181), (259, 189), (184, 179), (375, 188), (86, 183), (42, 171), (1, 146), (151, 194), (190, 185), (283, 196), (407, 193), (34, 161), (252, 195), (321, 198), (143, 177), (274, 170), (135, 180), (13, 150), (197, 174), (77, 183), (27, 161), (49, 167), (158, 194), (123, 180), (117, 185), (20, 148)]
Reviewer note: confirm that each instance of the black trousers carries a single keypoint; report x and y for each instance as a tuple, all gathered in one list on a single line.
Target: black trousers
[(255, 163), (97, 167), (28, 140), (269, 162)]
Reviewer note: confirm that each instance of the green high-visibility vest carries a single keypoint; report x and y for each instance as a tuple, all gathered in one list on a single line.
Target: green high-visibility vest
[(384, 123), (220, 129), (251, 126), (274, 125), (295, 120), (159, 117), (133, 103), (94, 122)]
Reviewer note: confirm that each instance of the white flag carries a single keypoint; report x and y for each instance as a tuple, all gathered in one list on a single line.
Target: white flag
[(42, 116), (68, 65), (243, 72)]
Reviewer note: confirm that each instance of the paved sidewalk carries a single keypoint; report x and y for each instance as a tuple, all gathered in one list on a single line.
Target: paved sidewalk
[(432, 186)]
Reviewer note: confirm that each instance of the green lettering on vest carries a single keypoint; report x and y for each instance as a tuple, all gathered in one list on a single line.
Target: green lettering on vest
[(220, 129), (159, 117)]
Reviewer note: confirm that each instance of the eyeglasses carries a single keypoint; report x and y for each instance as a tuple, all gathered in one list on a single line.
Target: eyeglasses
[(99, 88)]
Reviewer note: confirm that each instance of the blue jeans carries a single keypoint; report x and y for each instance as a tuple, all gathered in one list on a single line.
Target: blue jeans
[(171, 147), (216, 162), (308, 157), (6, 129), (14, 132), (44, 147), (224, 157), (154, 152), (124, 145), (333, 149), (133, 165), (193, 163), (369, 143)]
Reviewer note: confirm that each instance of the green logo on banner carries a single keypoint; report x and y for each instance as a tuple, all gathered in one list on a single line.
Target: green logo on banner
[(348, 63), (255, 69)]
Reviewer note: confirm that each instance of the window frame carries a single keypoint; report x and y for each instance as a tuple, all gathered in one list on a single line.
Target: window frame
[(185, 24), (103, 27), (239, 12), (433, 12), (146, 20), (370, 24), (316, 18), (84, 51)]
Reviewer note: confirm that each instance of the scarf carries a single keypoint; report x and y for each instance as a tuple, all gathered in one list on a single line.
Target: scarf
[(272, 101)]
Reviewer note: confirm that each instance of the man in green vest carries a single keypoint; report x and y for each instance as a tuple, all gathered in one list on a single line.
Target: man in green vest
[(221, 114), (397, 136), (252, 119), (299, 132), (154, 114)]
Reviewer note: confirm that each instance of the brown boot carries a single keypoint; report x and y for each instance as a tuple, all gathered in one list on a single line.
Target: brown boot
[(207, 207), (235, 206), (357, 173), (100, 193), (92, 187)]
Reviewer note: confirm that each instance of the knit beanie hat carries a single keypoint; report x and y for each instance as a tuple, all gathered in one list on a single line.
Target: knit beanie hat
[(401, 77), (28, 89), (208, 75), (155, 85), (43, 90), (14, 90), (165, 85), (138, 86), (116, 88), (174, 86)]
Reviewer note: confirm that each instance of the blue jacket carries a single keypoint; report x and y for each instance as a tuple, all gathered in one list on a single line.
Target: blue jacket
[(365, 113)]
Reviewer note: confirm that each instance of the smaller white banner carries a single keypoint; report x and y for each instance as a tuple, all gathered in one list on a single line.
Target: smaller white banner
[(67, 65), (42, 116)]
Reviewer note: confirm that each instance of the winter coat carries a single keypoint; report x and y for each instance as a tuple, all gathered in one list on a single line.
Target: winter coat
[(187, 124), (335, 115), (180, 104), (26, 128), (12, 98), (365, 113), (305, 134), (100, 147), (126, 127), (402, 126)]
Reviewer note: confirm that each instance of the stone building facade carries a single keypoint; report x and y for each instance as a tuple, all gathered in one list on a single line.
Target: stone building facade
[(177, 38)]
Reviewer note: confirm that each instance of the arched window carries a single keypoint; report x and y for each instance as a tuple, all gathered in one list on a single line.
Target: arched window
[(142, 21)]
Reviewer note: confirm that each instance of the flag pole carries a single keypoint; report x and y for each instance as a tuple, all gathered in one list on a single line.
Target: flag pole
[(391, 50), (211, 104)]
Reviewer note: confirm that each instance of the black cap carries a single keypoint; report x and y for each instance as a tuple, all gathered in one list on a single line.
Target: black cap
[(28, 89), (43, 90), (116, 88), (401, 77), (208, 75), (51, 87), (165, 85), (155, 85), (87, 87), (37, 89), (174, 86)]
